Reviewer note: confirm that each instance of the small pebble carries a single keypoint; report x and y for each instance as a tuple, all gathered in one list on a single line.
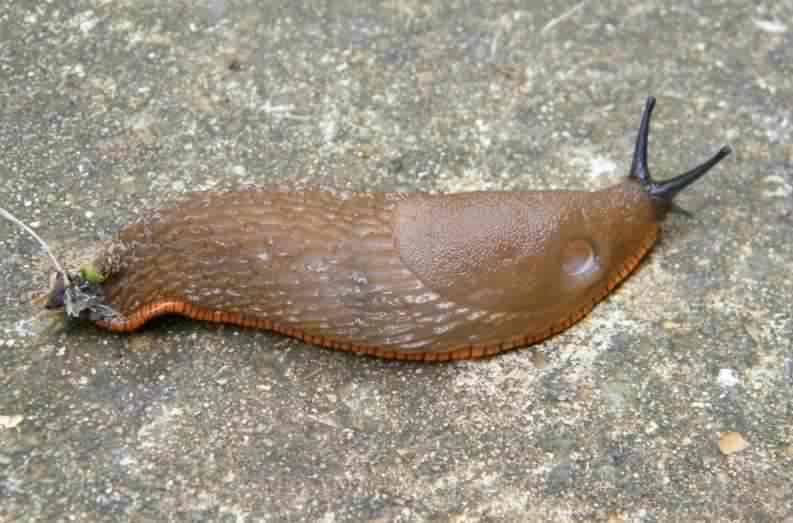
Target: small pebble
[(732, 442)]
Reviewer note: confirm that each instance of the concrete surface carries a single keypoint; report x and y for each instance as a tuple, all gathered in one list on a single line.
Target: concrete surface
[(637, 414)]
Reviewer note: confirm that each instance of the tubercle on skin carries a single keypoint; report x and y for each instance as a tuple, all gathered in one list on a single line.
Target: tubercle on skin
[(165, 306)]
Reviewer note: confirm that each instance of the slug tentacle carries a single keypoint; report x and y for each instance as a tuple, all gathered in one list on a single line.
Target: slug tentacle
[(639, 170), (668, 189), (664, 190), (402, 276)]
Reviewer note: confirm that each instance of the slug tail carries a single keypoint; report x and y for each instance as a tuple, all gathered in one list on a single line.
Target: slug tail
[(666, 190), (79, 298)]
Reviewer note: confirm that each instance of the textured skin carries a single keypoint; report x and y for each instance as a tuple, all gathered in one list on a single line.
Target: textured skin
[(408, 276)]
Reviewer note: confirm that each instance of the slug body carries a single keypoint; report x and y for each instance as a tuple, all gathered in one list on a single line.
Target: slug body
[(405, 276)]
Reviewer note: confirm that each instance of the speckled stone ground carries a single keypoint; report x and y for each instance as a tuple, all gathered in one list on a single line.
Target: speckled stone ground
[(637, 414)]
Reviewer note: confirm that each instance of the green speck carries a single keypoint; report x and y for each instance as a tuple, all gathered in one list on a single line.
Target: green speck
[(91, 274)]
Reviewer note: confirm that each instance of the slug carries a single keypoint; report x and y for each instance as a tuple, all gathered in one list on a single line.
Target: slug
[(395, 275)]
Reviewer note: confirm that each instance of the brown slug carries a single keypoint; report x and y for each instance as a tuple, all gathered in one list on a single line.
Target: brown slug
[(402, 276)]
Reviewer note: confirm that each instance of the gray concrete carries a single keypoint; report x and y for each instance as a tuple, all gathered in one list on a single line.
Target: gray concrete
[(106, 108)]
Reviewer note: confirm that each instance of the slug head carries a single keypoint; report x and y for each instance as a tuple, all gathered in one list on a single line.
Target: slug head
[(627, 216)]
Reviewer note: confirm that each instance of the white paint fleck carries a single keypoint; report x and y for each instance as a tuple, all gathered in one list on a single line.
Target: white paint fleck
[(484, 133), (781, 189), (9, 422), (85, 21), (770, 26), (329, 127), (598, 166), (25, 328), (127, 460), (728, 378), (88, 25)]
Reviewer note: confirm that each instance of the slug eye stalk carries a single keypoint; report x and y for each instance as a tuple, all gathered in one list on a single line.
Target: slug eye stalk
[(664, 190)]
